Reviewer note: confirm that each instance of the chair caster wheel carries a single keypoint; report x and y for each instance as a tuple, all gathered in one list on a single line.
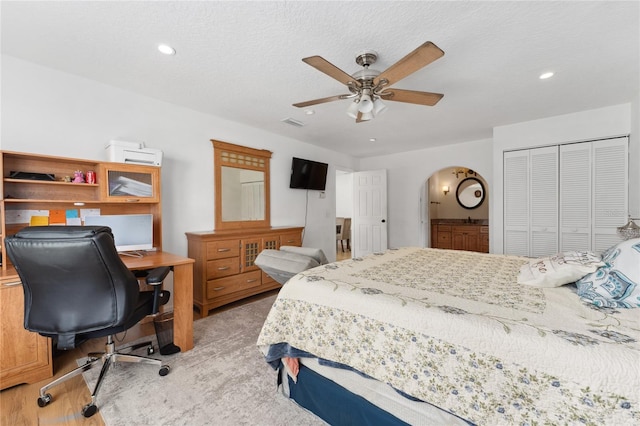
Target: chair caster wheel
[(151, 350), (44, 400), (164, 370), (89, 410)]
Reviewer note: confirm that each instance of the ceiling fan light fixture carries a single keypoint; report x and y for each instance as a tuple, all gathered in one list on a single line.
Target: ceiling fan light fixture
[(366, 104), (368, 86), (352, 111), (366, 116), (378, 106)]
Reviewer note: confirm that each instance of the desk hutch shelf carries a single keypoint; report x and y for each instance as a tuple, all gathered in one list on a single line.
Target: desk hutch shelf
[(119, 189)]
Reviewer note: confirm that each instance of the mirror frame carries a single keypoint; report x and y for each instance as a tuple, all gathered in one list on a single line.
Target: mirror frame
[(240, 157), (484, 193)]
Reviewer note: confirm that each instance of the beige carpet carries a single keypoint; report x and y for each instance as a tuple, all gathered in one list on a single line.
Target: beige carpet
[(224, 380)]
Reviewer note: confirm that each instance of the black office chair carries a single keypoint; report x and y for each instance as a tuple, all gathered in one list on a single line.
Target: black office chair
[(76, 288)]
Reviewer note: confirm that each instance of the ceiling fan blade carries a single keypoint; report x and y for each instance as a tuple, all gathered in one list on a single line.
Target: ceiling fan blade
[(329, 69), (411, 96), (420, 57), (320, 101)]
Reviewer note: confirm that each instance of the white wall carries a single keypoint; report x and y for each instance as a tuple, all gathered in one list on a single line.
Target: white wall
[(344, 194), (45, 111), (579, 126), (407, 175)]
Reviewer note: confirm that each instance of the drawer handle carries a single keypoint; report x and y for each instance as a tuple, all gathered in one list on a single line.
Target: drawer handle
[(218, 288), (223, 268), (252, 281), (12, 283), (133, 200), (289, 241), (222, 250)]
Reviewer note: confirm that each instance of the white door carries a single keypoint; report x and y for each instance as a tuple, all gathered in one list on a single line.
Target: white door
[(593, 190), (610, 191), (575, 196), (369, 223), (516, 203), (543, 201)]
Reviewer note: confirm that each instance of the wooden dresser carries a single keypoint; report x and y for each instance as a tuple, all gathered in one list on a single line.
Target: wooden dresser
[(225, 271), (460, 236)]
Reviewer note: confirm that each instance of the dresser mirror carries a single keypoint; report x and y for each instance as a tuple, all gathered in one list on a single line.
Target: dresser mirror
[(470, 193), (241, 186)]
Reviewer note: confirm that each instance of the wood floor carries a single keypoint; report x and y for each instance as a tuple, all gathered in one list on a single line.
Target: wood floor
[(18, 404), (340, 255)]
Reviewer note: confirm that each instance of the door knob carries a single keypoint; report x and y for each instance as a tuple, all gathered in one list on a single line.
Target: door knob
[(383, 221)]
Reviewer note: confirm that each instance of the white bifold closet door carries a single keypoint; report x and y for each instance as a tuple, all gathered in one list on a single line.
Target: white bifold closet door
[(531, 202), (610, 191), (544, 201), (575, 195), (590, 214), (566, 197)]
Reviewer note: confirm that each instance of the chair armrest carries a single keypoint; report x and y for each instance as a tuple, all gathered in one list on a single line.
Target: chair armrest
[(157, 275)]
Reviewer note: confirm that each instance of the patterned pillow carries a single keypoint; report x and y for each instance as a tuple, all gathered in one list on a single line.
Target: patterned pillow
[(561, 269), (617, 283)]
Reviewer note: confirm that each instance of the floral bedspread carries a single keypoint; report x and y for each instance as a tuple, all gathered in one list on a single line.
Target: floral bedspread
[(454, 329)]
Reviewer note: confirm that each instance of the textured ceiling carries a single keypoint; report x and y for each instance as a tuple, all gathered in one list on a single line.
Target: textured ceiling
[(242, 60)]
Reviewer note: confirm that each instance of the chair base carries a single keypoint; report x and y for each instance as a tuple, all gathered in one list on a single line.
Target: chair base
[(108, 358)]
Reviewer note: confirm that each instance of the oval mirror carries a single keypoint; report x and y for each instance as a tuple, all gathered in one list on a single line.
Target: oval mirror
[(470, 193)]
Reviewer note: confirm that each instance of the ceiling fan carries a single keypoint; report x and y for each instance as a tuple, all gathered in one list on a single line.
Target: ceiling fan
[(368, 87)]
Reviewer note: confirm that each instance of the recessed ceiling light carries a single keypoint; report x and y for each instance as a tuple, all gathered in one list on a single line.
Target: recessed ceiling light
[(166, 49), (372, 139), (546, 75), (309, 111)]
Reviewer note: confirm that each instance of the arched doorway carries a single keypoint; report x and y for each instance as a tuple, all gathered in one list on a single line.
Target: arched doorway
[(457, 210)]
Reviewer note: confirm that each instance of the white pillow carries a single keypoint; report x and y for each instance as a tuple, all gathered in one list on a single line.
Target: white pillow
[(617, 283), (558, 270)]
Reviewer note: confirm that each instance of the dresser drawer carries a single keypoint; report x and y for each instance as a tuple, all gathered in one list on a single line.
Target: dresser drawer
[(291, 239), (223, 249), (222, 267), (222, 286)]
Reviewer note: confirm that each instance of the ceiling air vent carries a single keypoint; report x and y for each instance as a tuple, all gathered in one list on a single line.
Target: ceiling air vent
[(292, 122)]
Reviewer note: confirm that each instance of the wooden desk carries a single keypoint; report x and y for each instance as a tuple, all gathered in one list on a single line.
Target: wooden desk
[(182, 291), (30, 359)]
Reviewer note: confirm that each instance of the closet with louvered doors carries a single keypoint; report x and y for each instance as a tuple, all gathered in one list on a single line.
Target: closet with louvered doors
[(531, 201), (565, 197), (590, 213)]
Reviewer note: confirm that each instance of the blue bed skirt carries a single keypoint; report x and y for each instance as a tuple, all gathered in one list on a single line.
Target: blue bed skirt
[(334, 404)]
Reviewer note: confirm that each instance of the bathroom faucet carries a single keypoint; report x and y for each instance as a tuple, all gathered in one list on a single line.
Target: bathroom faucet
[(469, 219)]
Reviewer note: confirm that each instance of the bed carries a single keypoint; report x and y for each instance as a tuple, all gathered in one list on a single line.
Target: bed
[(436, 336)]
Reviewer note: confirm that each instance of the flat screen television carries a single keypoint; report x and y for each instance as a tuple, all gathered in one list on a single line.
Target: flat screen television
[(307, 174), (131, 232)]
